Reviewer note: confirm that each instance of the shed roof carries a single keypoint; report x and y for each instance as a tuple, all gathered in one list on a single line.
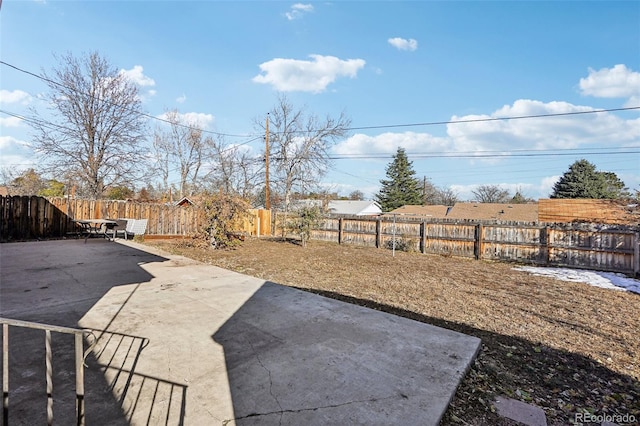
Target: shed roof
[(185, 201)]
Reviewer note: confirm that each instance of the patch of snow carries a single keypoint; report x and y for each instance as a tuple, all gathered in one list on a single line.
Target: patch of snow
[(608, 280)]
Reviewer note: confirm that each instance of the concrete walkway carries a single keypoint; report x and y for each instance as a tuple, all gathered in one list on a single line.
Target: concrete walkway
[(180, 342)]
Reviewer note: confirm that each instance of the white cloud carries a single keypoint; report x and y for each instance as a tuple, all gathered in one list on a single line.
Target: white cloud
[(289, 75), (542, 133), (10, 121), (194, 119), (633, 101), (136, 75), (181, 99), (388, 143), (616, 82), (569, 131), (547, 184), (7, 141), (298, 10), (15, 153), (403, 44), (14, 97)]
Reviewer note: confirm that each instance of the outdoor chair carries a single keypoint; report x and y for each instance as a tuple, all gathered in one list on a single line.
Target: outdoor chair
[(134, 227), (123, 224)]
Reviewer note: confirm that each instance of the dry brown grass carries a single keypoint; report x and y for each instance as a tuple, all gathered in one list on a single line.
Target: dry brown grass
[(566, 347)]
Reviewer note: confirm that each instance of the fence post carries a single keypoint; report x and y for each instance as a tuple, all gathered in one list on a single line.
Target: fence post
[(423, 237), (340, 230), (544, 245), (477, 246), (378, 233), (636, 254)]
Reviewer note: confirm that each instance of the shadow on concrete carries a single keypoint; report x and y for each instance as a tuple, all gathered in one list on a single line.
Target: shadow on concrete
[(507, 362), (57, 282), (145, 399), (294, 358), (251, 352)]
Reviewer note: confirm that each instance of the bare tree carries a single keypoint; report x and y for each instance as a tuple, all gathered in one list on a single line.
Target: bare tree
[(491, 194), (446, 196), (356, 195), (28, 182), (95, 128), (180, 145), (429, 192), (299, 146), (233, 170)]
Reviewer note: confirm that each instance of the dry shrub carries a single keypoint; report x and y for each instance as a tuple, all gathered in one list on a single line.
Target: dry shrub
[(224, 216)]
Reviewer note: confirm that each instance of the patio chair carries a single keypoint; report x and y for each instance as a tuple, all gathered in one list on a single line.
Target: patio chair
[(135, 227), (121, 229)]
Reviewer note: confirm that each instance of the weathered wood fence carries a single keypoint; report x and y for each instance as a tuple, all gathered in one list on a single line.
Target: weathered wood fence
[(25, 218), (588, 246)]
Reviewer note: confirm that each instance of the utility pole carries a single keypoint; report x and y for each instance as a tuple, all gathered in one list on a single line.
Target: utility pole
[(267, 203), (424, 191)]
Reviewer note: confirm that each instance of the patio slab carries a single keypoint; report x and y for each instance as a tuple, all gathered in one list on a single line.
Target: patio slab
[(180, 342)]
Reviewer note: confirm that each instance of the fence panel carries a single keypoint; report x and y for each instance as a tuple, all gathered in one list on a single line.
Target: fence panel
[(607, 250), (23, 218), (558, 245), (359, 232), (454, 239), (504, 242), (327, 231), (574, 245)]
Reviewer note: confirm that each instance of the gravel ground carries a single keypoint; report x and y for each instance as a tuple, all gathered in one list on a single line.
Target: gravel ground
[(565, 347)]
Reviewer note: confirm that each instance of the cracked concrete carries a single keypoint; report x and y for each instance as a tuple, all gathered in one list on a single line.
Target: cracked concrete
[(181, 342)]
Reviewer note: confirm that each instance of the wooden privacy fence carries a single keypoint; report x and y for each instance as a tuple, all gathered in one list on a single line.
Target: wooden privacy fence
[(23, 218), (585, 246)]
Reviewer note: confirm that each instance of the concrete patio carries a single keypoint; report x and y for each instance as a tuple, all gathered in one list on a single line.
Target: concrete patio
[(180, 342)]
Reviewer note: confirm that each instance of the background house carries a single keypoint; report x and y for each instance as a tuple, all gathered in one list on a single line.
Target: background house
[(354, 208), (495, 211), (472, 211), (427, 212)]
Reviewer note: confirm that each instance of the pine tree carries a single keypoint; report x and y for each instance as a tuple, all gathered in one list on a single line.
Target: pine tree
[(582, 180), (401, 187)]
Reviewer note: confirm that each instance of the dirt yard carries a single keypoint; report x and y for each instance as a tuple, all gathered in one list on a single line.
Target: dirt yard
[(566, 347)]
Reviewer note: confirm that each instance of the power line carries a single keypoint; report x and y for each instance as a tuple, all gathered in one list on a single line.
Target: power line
[(507, 155), (492, 153), (384, 126), (52, 125), (418, 155), (468, 154), (481, 120), (142, 114)]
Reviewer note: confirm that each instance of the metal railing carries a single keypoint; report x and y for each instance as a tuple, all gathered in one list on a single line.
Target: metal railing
[(80, 355)]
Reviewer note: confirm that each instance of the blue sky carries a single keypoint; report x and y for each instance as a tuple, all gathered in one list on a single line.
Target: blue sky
[(390, 63)]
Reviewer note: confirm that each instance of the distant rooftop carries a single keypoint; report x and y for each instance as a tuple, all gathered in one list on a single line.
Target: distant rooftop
[(473, 211), (355, 208)]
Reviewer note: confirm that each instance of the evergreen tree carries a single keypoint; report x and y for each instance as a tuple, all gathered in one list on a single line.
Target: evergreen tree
[(401, 187), (582, 180)]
